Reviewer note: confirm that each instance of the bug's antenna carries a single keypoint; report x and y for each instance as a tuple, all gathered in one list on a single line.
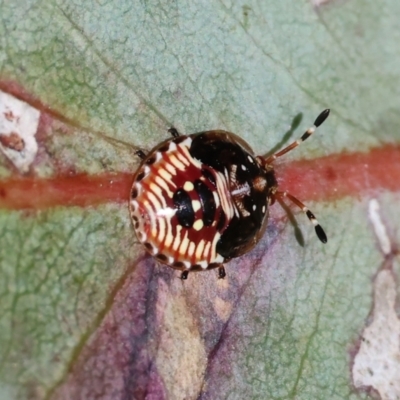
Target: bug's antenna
[(319, 120)]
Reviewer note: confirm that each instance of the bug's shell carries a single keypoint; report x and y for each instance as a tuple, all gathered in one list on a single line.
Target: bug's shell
[(200, 200)]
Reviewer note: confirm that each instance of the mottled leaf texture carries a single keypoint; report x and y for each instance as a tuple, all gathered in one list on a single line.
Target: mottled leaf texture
[(84, 312)]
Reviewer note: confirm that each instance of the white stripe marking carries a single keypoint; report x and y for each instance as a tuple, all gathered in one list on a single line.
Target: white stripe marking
[(192, 248), (206, 252), (183, 158), (177, 240), (164, 185), (173, 159), (150, 213), (161, 229), (171, 169), (199, 249), (184, 244)]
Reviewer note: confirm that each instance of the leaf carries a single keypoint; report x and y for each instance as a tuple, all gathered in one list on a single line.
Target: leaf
[(84, 313)]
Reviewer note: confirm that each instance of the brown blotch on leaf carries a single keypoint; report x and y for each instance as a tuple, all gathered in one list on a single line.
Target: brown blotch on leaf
[(12, 141), (330, 174)]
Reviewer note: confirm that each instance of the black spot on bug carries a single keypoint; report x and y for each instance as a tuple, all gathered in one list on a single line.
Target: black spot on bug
[(178, 265), (151, 160), (140, 176), (183, 205), (164, 148), (196, 267), (134, 192), (149, 246), (162, 257), (207, 202)]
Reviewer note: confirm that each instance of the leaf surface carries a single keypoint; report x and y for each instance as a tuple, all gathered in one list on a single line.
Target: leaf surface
[(84, 313)]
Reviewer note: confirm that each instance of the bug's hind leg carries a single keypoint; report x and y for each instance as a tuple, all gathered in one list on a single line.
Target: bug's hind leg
[(318, 228), (174, 132), (184, 275), (140, 154)]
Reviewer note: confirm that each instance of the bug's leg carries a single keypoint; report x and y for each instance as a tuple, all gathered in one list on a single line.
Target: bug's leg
[(318, 121), (173, 131), (140, 154), (318, 228), (184, 275), (221, 272)]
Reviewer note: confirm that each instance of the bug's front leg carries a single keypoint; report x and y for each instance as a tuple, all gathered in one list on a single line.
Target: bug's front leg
[(174, 132)]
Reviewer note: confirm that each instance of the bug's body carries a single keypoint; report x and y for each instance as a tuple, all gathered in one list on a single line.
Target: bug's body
[(198, 201)]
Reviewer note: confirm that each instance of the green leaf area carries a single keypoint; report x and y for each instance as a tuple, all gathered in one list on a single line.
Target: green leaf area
[(84, 313)]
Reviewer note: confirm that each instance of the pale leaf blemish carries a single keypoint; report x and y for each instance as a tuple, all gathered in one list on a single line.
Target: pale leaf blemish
[(379, 227), (223, 309), (377, 363), (18, 126), (181, 356), (319, 3)]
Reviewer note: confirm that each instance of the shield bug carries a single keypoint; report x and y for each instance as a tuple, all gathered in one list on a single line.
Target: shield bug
[(199, 200)]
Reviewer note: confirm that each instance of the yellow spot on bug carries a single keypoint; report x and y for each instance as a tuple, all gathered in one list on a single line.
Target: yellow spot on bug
[(188, 186), (196, 205), (198, 225)]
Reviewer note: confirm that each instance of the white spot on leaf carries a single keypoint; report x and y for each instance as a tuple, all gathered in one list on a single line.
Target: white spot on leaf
[(18, 126), (379, 227), (377, 363)]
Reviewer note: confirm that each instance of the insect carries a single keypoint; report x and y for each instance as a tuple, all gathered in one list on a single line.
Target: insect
[(199, 200)]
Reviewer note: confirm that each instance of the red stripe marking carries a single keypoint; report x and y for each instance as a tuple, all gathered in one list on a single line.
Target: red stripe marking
[(78, 190), (326, 178), (339, 175)]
